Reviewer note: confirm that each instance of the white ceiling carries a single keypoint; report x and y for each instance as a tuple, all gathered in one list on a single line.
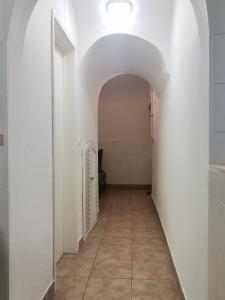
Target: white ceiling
[(123, 54), (151, 20)]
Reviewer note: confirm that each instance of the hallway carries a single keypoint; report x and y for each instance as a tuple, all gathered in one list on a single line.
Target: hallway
[(125, 256)]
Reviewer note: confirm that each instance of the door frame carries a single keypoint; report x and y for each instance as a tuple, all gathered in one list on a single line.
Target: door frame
[(61, 38)]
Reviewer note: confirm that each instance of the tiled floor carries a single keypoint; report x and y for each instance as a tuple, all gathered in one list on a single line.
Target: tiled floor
[(124, 258)]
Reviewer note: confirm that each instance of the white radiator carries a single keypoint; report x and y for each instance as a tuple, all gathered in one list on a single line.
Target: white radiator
[(90, 188)]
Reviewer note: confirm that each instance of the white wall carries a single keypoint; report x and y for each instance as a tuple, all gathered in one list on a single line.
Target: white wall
[(3, 164), (30, 155), (125, 130), (216, 233), (180, 173)]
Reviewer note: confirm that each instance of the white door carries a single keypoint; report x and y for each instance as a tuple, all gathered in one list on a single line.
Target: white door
[(58, 144)]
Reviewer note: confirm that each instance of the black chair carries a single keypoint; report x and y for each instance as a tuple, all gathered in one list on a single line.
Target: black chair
[(101, 173)]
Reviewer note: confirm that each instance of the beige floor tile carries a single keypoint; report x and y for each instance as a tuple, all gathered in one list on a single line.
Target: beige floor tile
[(108, 289), (123, 206), (98, 230), (120, 241), (118, 232), (142, 210), (120, 209), (120, 215), (112, 268), (128, 242), (89, 248), (103, 220), (74, 266), (156, 267), (119, 219), (146, 237), (121, 202), (121, 222), (154, 290), (146, 226), (70, 288), (115, 251), (147, 240), (145, 250), (115, 226), (145, 211), (145, 220), (97, 237)]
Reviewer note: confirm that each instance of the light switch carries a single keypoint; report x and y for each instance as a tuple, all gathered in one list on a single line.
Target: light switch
[(1, 140)]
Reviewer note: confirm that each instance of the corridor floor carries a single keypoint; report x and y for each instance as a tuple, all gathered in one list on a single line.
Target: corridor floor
[(124, 258)]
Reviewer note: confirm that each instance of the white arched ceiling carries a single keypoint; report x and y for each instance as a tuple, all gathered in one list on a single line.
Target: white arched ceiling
[(149, 32), (143, 22), (123, 54)]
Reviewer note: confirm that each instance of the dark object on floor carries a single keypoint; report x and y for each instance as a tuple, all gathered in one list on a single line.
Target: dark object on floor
[(101, 173), (149, 191)]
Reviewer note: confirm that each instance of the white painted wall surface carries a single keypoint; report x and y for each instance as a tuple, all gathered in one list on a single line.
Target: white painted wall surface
[(30, 156), (4, 237), (216, 233), (125, 130), (180, 172)]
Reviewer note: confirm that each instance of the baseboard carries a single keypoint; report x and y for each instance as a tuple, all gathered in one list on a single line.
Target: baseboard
[(130, 186), (154, 201), (50, 292), (179, 286)]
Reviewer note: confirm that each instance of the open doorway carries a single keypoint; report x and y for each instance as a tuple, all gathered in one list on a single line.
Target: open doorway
[(63, 133), (125, 132)]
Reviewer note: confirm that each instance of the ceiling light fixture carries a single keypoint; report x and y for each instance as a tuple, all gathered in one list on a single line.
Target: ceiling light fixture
[(119, 9)]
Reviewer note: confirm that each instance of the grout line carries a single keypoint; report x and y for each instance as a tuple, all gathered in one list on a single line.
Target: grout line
[(91, 269), (112, 278), (100, 243)]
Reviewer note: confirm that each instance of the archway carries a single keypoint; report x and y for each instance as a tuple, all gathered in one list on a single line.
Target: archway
[(125, 133), (103, 62)]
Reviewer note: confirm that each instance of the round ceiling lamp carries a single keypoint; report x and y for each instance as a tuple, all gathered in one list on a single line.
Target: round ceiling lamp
[(119, 9)]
